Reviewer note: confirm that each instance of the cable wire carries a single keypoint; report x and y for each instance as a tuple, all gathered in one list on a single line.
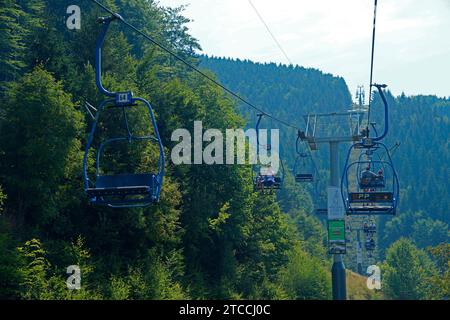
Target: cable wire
[(191, 66), (270, 32)]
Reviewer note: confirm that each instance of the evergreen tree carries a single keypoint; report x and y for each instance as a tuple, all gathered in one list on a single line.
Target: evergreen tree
[(40, 141), (11, 41), (407, 272), (441, 256)]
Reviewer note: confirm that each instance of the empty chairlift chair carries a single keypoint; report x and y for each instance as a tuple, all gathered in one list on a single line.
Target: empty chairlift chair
[(304, 165), (121, 189)]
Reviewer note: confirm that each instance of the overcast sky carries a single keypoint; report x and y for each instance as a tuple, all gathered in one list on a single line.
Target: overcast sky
[(412, 46)]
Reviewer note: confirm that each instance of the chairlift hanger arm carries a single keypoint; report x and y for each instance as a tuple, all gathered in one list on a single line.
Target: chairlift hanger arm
[(374, 128), (296, 144), (105, 21), (260, 116), (116, 16), (373, 50), (380, 88)]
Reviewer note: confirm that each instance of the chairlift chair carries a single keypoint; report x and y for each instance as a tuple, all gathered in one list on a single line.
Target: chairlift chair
[(304, 165), (121, 190), (370, 244), (264, 181), (375, 196)]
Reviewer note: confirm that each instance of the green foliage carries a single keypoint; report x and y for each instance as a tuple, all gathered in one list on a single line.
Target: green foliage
[(406, 273), (429, 232), (36, 283), (426, 120), (41, 145), (419, 123), (163, 284), (268, 242), (119, 289), (11, 42), (155, 280), (2, 199), (288, 92), (305, 277), (10, 277), (42, 280), (441, 256), (422, 230), (215, 223), (211, 235)]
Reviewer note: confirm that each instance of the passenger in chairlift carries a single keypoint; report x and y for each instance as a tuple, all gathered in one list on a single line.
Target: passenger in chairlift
[(269, 177), (380, 174), (368, 176)]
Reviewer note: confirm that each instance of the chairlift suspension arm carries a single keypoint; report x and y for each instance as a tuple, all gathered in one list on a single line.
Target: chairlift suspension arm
[(380, 88), (98, 54), (260, 115), (121, 190), (371, 63)]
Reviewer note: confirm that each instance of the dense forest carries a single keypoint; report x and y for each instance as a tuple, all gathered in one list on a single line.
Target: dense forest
[(211, 236), (419, 124)]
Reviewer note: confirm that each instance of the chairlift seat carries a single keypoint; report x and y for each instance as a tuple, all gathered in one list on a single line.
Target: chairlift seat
[(123, 185), (372, 203), (372, 183), (265, 184), (305, 177), (370, 208), (275, 185), (370, 246)]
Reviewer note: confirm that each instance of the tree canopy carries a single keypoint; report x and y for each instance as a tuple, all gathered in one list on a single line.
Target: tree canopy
[(211, 236)]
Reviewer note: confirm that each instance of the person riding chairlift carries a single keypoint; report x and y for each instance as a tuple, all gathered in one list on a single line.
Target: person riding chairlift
[(372, 227), (370, 244), (269, 177), (380, 176), (371, 180), (368, 176), (266, 178)]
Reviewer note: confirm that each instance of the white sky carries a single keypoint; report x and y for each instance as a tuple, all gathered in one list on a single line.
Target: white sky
[(412, 46)]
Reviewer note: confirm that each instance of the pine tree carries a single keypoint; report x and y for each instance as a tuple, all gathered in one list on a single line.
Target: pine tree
[(11, 41)]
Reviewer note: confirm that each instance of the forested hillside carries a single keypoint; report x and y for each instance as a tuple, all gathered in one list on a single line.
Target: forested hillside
[(421, 124), (211, 236), (287, 92)]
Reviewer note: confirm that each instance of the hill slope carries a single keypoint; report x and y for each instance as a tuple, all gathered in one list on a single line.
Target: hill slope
[(420, 123)]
